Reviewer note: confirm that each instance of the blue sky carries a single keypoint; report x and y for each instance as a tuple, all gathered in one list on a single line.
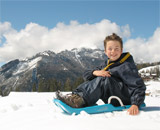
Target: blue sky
[(143, 17)]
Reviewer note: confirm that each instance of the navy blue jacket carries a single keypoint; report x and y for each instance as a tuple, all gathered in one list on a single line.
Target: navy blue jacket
[(127, 73)]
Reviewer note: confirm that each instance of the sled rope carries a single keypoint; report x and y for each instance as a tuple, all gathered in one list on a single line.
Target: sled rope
[(115, 97)]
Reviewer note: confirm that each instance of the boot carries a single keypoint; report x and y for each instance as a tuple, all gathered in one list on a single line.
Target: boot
[(71, 100)]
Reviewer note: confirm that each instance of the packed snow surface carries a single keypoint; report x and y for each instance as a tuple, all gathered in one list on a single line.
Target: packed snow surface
[(36, 111)]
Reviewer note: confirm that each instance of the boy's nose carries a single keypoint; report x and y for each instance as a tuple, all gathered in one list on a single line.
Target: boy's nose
[(113, 50)]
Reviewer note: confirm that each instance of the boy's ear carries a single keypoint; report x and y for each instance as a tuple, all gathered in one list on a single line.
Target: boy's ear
[(122, 50), (105, 51)]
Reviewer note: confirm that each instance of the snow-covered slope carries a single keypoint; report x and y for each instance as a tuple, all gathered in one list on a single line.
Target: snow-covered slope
[(36, 111), (147, 69), (28, 65)]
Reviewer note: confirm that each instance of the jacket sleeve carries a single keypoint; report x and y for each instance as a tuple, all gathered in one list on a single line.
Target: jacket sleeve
[(136, 87), (88, 74)]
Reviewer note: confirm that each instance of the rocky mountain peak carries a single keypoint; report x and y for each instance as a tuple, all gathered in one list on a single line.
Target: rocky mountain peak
[(20, 75)]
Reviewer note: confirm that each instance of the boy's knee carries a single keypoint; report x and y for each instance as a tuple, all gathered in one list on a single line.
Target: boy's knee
[(103, 78), (103, 81)]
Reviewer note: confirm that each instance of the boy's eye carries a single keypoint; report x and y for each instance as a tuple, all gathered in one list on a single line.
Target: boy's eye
[(117, 49), (110, 49)]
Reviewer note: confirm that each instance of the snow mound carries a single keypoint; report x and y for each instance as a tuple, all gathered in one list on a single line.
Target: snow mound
[(30, 111), (153, 88)]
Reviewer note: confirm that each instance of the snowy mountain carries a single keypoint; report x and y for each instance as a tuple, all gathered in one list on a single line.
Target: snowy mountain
[(20, 75)]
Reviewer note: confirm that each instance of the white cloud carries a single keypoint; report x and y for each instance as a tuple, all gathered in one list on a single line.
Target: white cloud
[(35, 38), (145, 50), (5, 28)]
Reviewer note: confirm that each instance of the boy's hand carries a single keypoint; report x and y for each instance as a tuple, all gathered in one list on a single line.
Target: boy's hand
[(102, 73), (133, 110)]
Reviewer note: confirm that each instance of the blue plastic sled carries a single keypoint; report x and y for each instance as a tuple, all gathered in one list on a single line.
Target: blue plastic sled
[(91, 109)]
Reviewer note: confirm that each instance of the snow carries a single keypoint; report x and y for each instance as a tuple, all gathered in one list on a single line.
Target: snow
[(24, 66), (64, 68), (45, 53), (77, 56), (148, 68), (36, 111), (153, 87)]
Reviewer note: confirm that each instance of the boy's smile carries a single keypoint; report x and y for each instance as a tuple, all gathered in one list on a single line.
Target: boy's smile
[(113, 50)]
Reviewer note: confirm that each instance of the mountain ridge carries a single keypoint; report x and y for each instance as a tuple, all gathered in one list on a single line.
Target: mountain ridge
[(21, 75)]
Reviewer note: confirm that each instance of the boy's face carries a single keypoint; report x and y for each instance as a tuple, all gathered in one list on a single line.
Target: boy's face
[(113, 50)]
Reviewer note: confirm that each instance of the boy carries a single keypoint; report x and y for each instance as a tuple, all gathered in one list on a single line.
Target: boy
[(118, 76)]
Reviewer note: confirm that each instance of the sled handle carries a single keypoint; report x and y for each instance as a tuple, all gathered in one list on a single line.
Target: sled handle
[(115, 97)]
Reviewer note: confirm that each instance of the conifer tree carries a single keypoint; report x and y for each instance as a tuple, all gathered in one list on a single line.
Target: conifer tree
[(59, 86), (0, 91), (67, 85), (77, 82), (43, 86), (157, 71), (34, 87), (53, 85)]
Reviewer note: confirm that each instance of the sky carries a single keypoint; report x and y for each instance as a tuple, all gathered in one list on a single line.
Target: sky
[(29, 27)]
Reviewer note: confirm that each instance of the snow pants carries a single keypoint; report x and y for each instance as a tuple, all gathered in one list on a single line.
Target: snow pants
[(103, 88)]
